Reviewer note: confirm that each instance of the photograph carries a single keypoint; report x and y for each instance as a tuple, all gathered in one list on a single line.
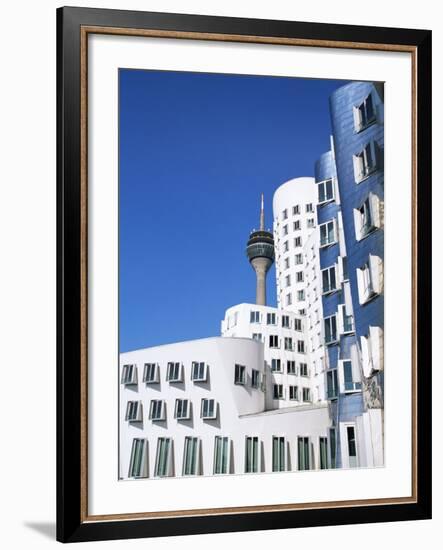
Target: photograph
[(250, 275)]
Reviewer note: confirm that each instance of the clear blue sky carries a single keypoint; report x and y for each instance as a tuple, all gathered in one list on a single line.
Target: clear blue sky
[(196, 151)]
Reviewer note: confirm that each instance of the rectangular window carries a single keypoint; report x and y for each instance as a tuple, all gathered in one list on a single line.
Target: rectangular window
[(300, 295), (297, 324), (329, 280), (288, 344), (298, 259), (306, 394), (255, 317), (257, 336), (310, 223), (157, 410), (251, 455), (300, 346), (350, 382), (299, 276), (286, 263), (276, 365), (304, 369), (288, 299), (297, 241), (352, 447), (309, 207), (330, 324), (271, 319), (151, 373), (285, 321), (296, 210), (240, 374), (323, 453), (163, 457), (198, 373), (347, 320), (290, 367), (208, 409), (137, 463), (372, 351), (278, 391), (293, 393), (364, 162), (255, 378), (285, 230), (182, 409), (327, 233), (363, 220), (288, 280), (221, 455), (285, 246), (134, 411), (129, 375), (284, 214), (333, 447), (174, 372), (190, 456), (304, 462), (302, 312), (296, 225), (344, 267), (273, 341), (278, 454), (332, 384), (364, 114), (325, 191)]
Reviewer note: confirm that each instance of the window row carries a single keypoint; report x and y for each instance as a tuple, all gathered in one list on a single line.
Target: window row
[(222, 462), (174, 373), (272, 319), (309, 207), (291, 392), (182, 410), (296, 226), (291, 367), (242, 378)]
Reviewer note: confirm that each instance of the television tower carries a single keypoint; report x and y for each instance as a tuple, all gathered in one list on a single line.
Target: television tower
[(260, 251)]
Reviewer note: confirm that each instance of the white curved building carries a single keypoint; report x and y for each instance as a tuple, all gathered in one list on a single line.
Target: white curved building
[(198, 408)]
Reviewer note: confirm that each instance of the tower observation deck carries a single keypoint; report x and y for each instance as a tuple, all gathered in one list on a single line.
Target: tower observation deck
[(260, 252)]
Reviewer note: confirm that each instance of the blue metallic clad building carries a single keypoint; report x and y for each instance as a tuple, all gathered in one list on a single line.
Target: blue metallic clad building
[(350, 181)]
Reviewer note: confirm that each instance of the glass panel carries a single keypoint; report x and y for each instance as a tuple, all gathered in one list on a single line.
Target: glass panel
[(323, 453), (352, 449), (332, 447)]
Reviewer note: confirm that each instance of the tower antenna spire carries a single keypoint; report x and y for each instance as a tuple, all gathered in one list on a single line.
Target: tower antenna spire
[(262, 214)]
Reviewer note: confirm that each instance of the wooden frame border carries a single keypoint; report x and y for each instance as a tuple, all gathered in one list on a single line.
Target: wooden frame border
[(79, 21)]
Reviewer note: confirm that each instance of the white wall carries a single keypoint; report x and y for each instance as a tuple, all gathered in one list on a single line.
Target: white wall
[(27, 280)]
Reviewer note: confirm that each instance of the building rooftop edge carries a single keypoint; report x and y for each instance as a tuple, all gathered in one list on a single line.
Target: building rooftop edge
[(208, 338)]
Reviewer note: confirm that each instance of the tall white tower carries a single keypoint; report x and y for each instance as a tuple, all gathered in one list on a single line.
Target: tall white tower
[(295, 219)]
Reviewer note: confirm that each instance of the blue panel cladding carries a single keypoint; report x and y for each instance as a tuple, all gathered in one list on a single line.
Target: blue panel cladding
[(350, 406), (333, 353), (346, 342), (348, 142), (325, 167)]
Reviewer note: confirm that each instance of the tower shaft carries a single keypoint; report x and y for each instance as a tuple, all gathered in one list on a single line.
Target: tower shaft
[(261, 267)]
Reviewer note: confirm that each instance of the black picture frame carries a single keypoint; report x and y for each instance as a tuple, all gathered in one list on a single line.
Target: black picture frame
[(72, 523)]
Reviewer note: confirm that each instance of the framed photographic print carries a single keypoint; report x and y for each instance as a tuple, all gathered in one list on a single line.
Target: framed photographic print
[(244, 262)]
